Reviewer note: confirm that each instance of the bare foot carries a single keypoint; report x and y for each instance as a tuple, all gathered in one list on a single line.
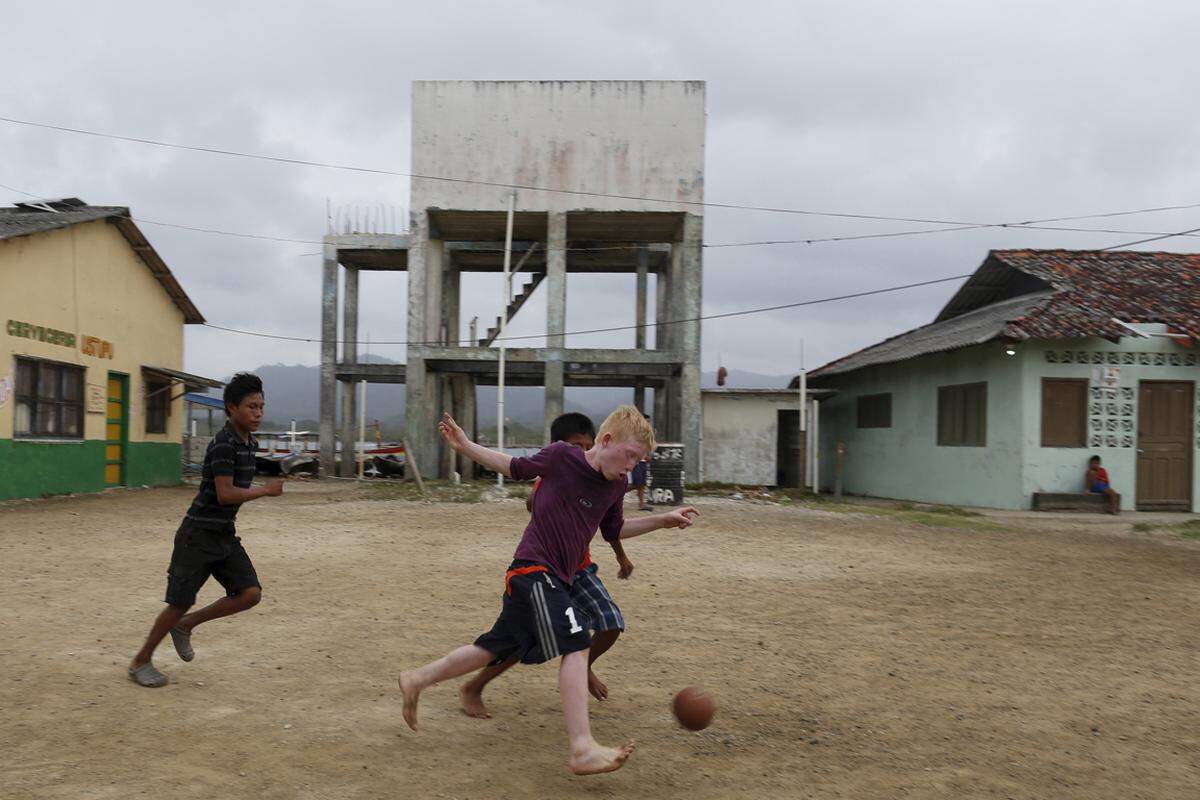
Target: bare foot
[(597, 759), (596, 686), (408, 687), (472, 703)]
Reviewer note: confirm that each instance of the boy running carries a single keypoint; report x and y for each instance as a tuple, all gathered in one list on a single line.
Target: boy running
[(206, 543), (581, 491), (588, 592)]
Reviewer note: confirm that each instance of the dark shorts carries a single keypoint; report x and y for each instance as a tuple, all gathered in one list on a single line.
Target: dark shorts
[(1099, 487), (638, 476), (590, 596), (538, 622), (200, 553)]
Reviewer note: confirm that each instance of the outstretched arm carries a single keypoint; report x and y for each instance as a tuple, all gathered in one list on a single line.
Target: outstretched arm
[(489, 459), (625, 566), (679, 518)]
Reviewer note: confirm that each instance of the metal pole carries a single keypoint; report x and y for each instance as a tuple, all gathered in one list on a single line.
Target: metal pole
[(507, 289)]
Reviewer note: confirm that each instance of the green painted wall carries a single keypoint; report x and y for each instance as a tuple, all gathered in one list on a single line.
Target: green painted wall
[(154, 464), (1112, 429), (905, 461), (37, 469)]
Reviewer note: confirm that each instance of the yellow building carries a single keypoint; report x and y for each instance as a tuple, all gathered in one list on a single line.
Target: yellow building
[(91, 354)]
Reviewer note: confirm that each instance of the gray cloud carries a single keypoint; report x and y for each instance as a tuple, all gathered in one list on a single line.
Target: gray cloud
[(984, 112)]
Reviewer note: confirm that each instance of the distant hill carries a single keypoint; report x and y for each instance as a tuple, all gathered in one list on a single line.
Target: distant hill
[(293, 392)]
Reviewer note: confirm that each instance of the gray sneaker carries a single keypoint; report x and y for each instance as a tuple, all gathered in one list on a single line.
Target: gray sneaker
[(146, 675), (183, 644)]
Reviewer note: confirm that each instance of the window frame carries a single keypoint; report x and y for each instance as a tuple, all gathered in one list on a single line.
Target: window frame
[(62, 405), (158, 402), (882, 420), (960, 392), (1081, 441)]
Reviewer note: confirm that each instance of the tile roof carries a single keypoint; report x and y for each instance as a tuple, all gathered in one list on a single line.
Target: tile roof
[(23, 220), (1050, 294)]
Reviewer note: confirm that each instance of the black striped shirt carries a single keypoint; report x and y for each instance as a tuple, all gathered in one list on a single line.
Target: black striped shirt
[(227, 455)]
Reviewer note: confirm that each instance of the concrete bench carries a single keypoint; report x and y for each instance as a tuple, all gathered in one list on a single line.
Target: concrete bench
[(1071, 501)]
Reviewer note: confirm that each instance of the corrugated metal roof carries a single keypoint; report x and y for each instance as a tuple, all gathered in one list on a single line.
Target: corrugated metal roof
[(24, 220), (1050, 294), (973, 327)]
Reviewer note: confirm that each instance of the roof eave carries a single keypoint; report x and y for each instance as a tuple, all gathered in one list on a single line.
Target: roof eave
[(141, 245)]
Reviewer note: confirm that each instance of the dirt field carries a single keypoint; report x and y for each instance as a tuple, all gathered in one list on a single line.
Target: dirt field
[(853, 656)]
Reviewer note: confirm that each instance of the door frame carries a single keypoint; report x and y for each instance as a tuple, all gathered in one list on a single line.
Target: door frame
[(123, 463), (1139, 504)]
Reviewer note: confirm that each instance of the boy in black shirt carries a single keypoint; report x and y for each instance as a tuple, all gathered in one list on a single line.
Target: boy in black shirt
[(206, 543)]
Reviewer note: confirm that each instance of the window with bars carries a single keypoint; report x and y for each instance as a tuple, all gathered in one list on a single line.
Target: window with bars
[(1064, 412), (962, 415), (875, 411), (158, 405), (49, 400)]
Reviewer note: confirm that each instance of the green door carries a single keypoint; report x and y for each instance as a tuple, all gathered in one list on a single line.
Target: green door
[(116, 429)]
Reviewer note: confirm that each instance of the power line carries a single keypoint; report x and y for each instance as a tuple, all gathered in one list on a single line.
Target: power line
[(726, 315), (577, 192)]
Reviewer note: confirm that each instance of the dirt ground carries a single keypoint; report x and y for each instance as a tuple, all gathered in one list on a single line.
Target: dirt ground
[(852, 655)]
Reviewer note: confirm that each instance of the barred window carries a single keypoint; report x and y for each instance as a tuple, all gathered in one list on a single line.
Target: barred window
[(49, 400)]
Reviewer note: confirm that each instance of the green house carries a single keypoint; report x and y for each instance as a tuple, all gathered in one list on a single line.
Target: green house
[(1041, 360)]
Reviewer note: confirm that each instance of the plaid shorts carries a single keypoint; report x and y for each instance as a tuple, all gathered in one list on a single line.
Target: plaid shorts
[(589, 595)]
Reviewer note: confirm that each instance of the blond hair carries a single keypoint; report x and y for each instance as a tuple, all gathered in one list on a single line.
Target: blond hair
[(627, 423)]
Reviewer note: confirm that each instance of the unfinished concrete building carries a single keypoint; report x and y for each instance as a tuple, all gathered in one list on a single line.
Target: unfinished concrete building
[(609, 178)]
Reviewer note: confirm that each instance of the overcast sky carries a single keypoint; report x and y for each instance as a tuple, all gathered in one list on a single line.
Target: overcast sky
[(985, 112)]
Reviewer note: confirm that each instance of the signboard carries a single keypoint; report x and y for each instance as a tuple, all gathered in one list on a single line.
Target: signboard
[(88, 345), (96, 397), (6, 389), (1107, 379), (665, 476)]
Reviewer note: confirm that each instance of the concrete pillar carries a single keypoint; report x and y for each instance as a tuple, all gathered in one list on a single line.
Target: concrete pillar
[(687, 341), (639, 389), (451, 302), (420, 416), (556, 313), (328, 397), (463, 391), (661, 416), (349, 424)]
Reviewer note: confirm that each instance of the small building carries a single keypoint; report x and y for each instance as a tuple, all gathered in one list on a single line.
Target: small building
[(754, 437), (91, 355), (1041, 360)]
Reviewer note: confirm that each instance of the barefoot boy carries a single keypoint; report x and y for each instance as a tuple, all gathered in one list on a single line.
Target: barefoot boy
[(206, 543), (581, 491), (588, 593)]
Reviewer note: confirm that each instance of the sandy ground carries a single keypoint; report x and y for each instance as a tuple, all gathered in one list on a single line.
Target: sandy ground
[(852, 656)]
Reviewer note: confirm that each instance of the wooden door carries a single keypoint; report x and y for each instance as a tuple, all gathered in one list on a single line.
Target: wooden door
[(1164, 460), (116, 429)]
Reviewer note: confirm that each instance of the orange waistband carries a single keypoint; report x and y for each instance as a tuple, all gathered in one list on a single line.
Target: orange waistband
[(508, 576)]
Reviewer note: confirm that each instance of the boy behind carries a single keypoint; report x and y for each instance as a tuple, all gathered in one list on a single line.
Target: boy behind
[(206, 543), (580, 492)]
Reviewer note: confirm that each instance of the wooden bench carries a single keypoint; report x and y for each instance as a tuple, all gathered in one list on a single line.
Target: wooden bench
[(1071, 501)]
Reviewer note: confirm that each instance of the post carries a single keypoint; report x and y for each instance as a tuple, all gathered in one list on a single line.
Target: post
[(837, 472), (802, 442), (816, 434), (361, 455), (507, 289), (643, 267), (329, 315), (349, 356), (556, 317)]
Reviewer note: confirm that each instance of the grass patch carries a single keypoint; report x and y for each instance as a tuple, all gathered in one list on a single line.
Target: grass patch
[(1189, 529), (435, 491), (1142, 527)]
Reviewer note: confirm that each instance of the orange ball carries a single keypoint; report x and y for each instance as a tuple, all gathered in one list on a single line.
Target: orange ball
[(694, 707)]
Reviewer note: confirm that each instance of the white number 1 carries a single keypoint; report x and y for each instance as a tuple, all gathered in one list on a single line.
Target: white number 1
[(575, 628)]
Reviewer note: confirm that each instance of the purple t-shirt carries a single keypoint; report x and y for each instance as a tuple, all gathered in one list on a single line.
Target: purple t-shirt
[(574, 499)]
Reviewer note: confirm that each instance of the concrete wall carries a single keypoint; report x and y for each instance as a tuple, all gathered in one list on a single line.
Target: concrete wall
[(905, 461), (740, 438), (86, 280), (637, 138), (1112, 428)]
